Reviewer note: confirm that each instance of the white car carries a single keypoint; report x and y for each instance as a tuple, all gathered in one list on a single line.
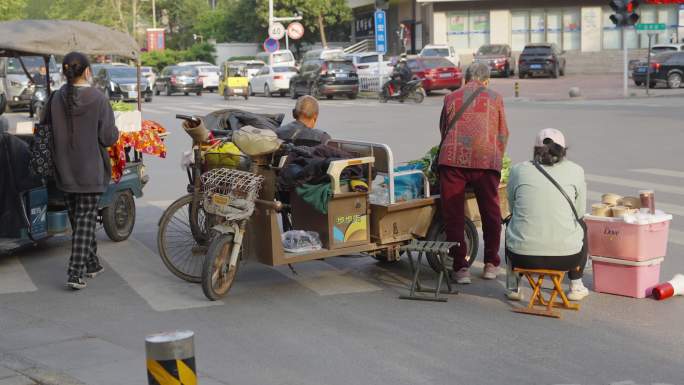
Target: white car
[(209, 75), (150, 74), (194, 63), (366, 64), (441, 50), (272, 79)]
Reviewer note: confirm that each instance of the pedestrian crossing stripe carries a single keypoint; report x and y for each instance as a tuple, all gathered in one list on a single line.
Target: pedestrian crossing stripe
[(172, 372)]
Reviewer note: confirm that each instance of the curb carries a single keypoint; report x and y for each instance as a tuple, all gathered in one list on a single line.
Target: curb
[(37, 373)]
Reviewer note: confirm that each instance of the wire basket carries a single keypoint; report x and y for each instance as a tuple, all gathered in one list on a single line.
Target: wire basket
[(230, 193)]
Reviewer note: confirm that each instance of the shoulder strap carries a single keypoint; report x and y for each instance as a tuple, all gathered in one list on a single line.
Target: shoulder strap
[(460, 113), (550, 178)]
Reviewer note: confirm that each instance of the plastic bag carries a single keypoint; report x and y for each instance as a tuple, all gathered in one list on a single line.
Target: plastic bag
[(407, 187), (379, 194), (297, 241)]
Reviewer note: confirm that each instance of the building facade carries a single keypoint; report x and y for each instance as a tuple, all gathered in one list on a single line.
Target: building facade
[(574, 25)]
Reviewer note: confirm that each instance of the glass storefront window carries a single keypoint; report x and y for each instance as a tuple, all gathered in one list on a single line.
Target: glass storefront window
[(479, 29), (611, 33), (520, 32), (537, 26), (572, 35), (554, 27), (468, 30), (648, 15), (670, 17)]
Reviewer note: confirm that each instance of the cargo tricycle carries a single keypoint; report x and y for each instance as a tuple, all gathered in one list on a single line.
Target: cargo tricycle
[(240, 216), (234, 80), (40, 210)]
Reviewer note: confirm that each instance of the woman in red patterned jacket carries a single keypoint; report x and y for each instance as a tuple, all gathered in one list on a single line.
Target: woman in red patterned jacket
[(471, 155)]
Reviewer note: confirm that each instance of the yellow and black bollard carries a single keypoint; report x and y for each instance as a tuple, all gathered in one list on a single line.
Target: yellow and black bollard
[(517, 89), (171, 358)]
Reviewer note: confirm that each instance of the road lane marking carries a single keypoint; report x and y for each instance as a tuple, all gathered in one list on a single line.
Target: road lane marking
[(325, 279), (660, 172), (144, 272), (13, 277), (595, 197), (635, 184)]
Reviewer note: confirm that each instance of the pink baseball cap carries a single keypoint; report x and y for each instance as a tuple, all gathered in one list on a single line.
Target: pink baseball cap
[(550, 133)]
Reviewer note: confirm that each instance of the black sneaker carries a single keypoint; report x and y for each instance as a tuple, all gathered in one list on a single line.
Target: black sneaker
[(93, 272), (76, 283)]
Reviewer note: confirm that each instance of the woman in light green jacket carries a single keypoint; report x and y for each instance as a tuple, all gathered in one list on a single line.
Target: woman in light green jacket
[(543, 232)]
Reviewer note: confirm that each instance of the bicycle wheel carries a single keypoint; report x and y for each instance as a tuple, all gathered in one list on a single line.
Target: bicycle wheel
[(181, 249)]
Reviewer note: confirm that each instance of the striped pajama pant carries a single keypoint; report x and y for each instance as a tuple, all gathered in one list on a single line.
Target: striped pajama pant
[(83, 216)]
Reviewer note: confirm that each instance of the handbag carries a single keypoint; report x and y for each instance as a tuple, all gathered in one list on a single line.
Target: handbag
[(579, 220), (434, 166), (41, 163)]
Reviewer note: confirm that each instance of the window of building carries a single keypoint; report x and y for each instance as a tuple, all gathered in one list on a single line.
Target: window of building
[(559, 26), (468, 29)]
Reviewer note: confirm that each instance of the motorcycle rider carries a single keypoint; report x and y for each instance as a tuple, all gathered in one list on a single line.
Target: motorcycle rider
[(400, 76)]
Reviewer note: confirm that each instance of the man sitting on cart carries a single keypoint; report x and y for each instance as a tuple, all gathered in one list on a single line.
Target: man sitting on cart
[(302, 131)]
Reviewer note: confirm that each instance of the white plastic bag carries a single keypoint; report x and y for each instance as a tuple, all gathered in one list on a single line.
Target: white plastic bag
[(297, 241)]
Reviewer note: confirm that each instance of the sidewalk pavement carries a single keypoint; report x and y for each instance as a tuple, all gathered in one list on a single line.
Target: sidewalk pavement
[(18, 370)]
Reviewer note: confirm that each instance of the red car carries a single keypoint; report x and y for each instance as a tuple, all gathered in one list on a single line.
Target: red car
[(437, 73)]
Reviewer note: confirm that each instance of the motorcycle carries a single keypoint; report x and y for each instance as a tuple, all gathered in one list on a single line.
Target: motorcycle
[(412, 90), (38, 101)]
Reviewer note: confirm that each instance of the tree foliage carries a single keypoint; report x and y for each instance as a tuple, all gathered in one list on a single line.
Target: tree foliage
[(12, 9), (160, 59)]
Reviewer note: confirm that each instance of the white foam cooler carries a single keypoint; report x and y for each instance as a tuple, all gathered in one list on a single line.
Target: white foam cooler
[(629, 278)]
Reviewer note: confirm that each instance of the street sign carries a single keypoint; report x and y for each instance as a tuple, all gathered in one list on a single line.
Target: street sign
[(277, 31), (271, 45), (380, 32), (650, 27), (295, 30)]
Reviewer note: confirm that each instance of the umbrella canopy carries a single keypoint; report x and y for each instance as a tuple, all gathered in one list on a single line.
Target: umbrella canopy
[(59, 37)]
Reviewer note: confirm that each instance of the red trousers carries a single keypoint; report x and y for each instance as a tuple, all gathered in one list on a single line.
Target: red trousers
[(485, 185)]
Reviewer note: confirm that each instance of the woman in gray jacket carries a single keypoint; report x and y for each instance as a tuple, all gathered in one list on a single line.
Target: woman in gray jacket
[(83, 127)]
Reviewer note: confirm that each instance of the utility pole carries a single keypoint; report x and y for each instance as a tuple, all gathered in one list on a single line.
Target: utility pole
[(154, 15), (272, 19)]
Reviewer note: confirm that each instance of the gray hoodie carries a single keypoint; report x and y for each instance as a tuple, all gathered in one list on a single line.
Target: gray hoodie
[(80, 156)]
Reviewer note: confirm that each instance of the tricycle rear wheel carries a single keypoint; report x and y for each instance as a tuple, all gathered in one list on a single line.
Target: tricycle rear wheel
[(437, 232), (119, 217), (217, 275)]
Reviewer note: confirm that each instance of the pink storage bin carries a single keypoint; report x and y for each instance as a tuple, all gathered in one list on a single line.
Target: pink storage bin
[(615, 238), (631, 279)]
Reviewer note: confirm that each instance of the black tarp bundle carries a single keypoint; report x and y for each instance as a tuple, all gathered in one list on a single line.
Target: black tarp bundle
[(14, 179), (233, 119)]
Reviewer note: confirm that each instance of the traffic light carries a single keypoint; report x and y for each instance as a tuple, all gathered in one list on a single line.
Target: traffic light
[(625, 12)]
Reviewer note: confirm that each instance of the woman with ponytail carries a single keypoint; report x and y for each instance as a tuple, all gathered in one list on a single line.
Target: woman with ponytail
[(543, 232), (83, 127)]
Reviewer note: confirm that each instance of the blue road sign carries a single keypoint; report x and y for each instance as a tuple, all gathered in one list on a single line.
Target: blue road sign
[(271, 45), (380, 32)]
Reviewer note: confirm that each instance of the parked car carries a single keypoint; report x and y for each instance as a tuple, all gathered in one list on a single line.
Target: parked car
[(441, 50), (437, 73), (150, 74), (121, 83), (541, 59), (663, 48), (666, 68), (281, 57), (325, 77), (209, 76), (194, 63), (366, 64), (324, 54), (14, 83), (498, 57), (174, 79), (270, 80)]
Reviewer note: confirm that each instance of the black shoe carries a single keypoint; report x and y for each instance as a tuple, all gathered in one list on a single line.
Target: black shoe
[(93, 272), (76, 283)]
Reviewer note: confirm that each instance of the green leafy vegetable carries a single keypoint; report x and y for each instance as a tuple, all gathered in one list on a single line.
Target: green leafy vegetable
[(123, 107), (430, 156)]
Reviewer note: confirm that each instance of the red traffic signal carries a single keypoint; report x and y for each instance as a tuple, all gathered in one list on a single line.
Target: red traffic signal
[(625, 12)]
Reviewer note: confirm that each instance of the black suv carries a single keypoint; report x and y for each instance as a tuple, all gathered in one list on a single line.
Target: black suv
[(121, 83), (319, 77), (541, 59), (174, 79), (666, 68)]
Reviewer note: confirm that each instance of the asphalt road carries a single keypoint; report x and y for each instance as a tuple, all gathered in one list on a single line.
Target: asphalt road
[(339, 321)]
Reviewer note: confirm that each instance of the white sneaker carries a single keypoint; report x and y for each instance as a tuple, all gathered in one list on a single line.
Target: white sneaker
[(577, 290), (490, 271), (514, 295), (462, 276)]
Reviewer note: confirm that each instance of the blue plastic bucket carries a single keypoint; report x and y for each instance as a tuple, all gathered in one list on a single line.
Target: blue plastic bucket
[(57, 221)]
